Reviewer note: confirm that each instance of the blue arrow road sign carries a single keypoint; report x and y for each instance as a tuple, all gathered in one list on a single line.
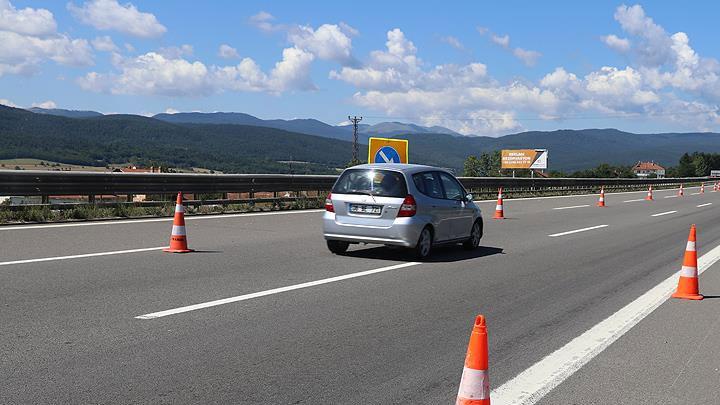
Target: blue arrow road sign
[(387, 154)]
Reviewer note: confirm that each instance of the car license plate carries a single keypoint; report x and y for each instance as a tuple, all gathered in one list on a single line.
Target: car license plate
[(365, 209)]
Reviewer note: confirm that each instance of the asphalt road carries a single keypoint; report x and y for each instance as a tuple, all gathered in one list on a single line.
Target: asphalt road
[(70, 333)]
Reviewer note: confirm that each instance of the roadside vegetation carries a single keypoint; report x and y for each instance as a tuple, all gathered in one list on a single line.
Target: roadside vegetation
[(38, 214)]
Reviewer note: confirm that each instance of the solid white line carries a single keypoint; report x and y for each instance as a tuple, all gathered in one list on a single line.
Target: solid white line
[(704, 205), (582, 195), (663, 213), (573, 206), (164, 219), (50, 259), (532, 384), (695, 194), (638, 199), (273, 291), (577, 230), (671, 196)]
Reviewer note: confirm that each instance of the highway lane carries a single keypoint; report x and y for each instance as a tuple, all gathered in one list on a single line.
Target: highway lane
[(392, 337)]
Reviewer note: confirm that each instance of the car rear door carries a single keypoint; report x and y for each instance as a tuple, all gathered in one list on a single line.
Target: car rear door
[(435, 204), (461, 218)]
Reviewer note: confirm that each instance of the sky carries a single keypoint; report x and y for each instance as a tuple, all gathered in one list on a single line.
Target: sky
[(477, 67)]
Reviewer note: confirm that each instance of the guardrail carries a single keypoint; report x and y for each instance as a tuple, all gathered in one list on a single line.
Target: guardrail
[(45, 183)]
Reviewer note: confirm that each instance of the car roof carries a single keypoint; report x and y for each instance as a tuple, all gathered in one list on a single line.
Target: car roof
[(398, 167)]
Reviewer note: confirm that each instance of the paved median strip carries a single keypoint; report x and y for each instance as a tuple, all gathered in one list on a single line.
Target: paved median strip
[(534, 383), (577, 230), (659, 214), (81, 256), (572, 206), (259, 294)]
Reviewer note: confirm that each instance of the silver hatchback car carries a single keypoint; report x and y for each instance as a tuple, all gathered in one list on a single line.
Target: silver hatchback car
[(413, 206)]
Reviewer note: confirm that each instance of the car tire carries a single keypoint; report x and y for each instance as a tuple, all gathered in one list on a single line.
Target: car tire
[(424, 244), (337, 246), (475, 235)]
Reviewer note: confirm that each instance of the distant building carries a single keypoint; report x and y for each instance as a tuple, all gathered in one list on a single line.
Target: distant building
[(645, 169), (135, 169)]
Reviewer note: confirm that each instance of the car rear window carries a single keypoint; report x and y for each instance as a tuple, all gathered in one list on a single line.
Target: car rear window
[(381, 183)]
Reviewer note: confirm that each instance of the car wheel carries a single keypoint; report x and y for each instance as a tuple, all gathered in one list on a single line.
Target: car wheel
[(424, 244), (475, 235), (337, 246)]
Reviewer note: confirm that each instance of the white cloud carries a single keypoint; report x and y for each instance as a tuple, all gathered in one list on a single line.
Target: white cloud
[(176, 52), (109, 15), (104, 44), (27, 21), (228, 52), (292, 72), (153, 74), (328, 42), (171, 110), (28, 37), (8, 103), (453, 41), (170, 74), (264, 22), (395, 81), (48, 105), (653, 47), (503, 41), (616, 43), (529, 58)]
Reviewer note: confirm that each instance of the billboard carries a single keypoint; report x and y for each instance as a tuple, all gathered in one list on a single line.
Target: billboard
[(387, 150), (524, 159), (714, 173)]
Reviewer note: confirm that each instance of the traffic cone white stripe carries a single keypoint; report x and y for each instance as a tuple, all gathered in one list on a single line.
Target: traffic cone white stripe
[(179, 208), (687, 271), (690, 247), (178, 230), (474, 384), (498, 207)]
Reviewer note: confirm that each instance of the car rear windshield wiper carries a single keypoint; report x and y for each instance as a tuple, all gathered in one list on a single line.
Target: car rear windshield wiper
[(363, 193)]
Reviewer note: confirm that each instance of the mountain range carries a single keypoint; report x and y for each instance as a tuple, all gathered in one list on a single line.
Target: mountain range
[(218, 141), (302, 125)]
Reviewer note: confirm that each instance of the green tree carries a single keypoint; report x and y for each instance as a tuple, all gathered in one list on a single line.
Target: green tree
[(487, 165), (685, 167), (471, 168)]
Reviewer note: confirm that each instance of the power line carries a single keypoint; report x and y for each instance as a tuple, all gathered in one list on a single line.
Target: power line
[(355, 120)]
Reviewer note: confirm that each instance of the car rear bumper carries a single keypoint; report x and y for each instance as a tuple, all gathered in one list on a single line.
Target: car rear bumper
[(403, 232)]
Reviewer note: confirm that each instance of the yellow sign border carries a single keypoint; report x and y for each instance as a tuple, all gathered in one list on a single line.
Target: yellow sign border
[(405, 141)]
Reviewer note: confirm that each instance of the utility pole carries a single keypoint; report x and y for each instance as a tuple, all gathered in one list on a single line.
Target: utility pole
[(355, 120)]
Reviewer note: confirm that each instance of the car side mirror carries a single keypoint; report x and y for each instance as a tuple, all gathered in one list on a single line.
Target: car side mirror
[(469, 197)]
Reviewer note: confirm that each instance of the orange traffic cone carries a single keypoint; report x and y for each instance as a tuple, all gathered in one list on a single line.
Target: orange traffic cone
[(688, 283), (680, 191), (475, 384), (715, 186), (499, 213), (178, 237), (649, 195), (601, 201), (702, 188)]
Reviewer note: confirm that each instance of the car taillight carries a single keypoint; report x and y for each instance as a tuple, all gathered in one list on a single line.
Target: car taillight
[(408, 207), (328, 203)]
